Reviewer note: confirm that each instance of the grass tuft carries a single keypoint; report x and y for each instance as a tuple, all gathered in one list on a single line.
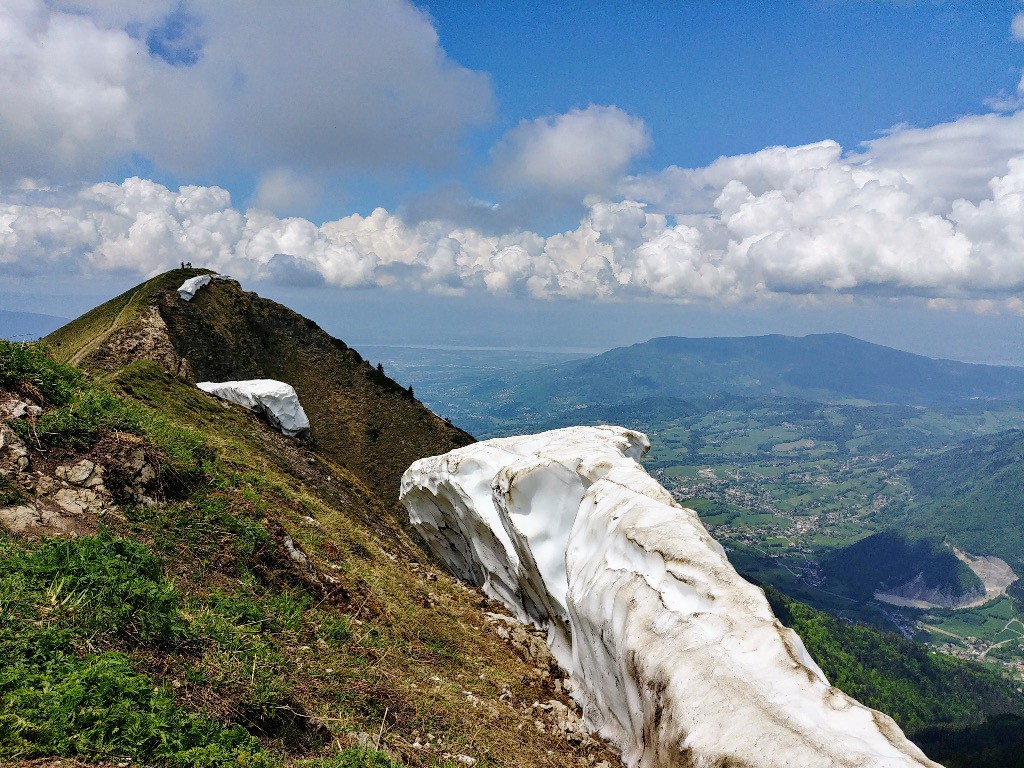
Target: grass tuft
[(10, 492), (59, 697), (29, 368), (99, 583)]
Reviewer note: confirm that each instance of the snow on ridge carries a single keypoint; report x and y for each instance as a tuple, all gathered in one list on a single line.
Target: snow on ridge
[(274, 399), (674, 657), (191, 287)]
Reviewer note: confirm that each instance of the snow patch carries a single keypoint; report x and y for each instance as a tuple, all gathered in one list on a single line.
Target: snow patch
[(274, 399), (191, 287), (674, 658)]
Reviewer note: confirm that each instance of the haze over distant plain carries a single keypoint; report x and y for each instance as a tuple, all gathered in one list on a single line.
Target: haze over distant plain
[(573, 175)]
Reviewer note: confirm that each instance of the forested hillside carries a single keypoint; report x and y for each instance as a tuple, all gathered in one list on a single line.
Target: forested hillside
[(959, 713), (973, 494)]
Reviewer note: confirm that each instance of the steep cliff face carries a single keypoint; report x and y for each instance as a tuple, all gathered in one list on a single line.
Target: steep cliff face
[(358, 416), (673, 656)]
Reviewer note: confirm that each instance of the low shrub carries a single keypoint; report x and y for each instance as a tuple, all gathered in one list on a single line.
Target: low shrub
[(356, 757), (29, 367), (10, 492), (98, 583), (58, 601), (55, 703)]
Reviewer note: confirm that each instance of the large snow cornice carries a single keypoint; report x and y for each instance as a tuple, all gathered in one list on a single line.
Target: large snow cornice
[(274, 399), (673, 656)]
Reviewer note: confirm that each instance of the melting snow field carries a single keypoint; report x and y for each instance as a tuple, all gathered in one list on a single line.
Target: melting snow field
[(191, 287), (674, 657), (274, 399)]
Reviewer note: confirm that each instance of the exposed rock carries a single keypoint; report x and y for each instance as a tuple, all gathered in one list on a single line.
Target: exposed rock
[(673, 657), (147, 474), (12, 407), (144, 339), (527, 639), (917, 593), (76, 474), (994, 572), (460, 759), (28, 519), (42, 484), (297, 554), (137, 460), (79, 501), (564, 721), (995, 575), (13, 452), (71, 498)]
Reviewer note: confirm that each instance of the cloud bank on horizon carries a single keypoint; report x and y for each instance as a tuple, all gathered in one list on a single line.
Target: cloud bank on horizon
[(934, 212)]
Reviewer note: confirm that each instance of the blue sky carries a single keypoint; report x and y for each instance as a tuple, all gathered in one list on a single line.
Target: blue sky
[(631, 168), (715, 79)]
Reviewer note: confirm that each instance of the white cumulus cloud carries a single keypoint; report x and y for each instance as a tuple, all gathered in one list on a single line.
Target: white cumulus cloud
[(219, 83), (580, 152), (284, 191), (808, 222), (69, 92)]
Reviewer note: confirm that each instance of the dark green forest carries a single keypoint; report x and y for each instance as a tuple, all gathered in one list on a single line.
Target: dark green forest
[(890, 559), (959, 712)]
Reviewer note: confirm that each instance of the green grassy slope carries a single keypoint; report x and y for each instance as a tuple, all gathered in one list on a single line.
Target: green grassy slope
[(190, 632), (76, 341)]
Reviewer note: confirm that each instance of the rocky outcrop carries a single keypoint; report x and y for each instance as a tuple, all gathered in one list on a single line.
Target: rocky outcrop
[(995, 576), (672, 655), (14, 407), (145, 339), (917, 593), (47, 498)]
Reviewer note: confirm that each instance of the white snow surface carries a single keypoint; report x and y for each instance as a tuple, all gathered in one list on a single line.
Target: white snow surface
[(191, 287), (674, 657), (274, 399)]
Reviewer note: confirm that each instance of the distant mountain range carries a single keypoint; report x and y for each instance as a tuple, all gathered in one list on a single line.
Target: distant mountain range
[(829, 368), (27, 326)]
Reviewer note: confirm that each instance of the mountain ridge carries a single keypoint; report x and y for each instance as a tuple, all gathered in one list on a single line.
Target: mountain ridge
[(359, 416), (227, 595), (827, 368)]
